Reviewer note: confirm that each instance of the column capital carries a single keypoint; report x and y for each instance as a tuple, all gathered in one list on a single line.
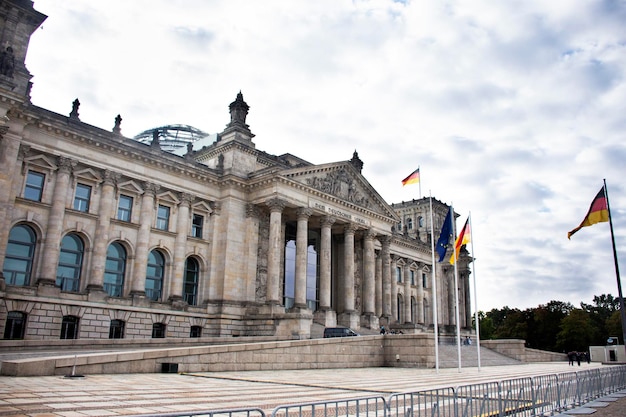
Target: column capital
[(252, 210), (303, 213), (151, 188), (350, 228), (369, 234), (276, 204), (216, 206), (186, 198), (327, 221), (110, 177), (66, 165)]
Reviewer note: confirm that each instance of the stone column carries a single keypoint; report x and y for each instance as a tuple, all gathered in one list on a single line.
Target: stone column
[(138, 282), (386, 270), (348, 273), (52, 238), (419, 305), (368, 317), (180, 248), (101, 238), (407, 292), (451, 307), (394, 289), (369, 288), (378, 283), (302, 241), (326, 223), (253, 214), (276, 207), (467, 298), (9, 157)]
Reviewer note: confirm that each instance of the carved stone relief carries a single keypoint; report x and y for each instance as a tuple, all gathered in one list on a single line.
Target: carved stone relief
[(340, 184)]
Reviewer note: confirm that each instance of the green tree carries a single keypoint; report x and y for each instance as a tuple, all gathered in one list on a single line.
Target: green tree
[(600, 311), (577, 331), (613, 326), (545, 324)]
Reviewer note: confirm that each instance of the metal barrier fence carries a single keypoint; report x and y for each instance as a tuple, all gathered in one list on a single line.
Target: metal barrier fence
[(359, 407), (538, 396), (236, 412)]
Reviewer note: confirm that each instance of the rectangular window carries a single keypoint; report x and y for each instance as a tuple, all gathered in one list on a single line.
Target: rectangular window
[(196, 226), (398, 274), (412, 277), (424, 280), (125, 208), (82, 197), (163, 218), (34, 186)]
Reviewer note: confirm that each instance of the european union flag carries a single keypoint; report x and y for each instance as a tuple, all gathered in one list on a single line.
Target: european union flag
[(444, 236)]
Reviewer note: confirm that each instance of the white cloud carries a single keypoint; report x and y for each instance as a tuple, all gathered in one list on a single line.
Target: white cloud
[(513, 110)]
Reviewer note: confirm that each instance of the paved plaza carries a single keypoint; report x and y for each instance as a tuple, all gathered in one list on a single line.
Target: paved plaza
[(113, 395)]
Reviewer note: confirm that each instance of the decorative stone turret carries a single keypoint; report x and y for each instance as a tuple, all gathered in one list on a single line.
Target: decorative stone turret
[(237, 129), (356, 162), (18, 21)]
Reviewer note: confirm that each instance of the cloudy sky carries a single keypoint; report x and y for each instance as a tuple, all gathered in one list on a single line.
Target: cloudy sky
[(515, 111)]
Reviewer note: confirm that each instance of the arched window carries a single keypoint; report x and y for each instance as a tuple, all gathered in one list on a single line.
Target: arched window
[(154, 275), (20, 252), (420, 221), (15, 326), (116, 330), (69, 327), (409, 224), (190, 286), (114, 270), (158, 330), (70, 263), (413, 310), (400, 304)]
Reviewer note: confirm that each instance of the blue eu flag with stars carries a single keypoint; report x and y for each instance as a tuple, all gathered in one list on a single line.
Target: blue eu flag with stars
[(444, 236)]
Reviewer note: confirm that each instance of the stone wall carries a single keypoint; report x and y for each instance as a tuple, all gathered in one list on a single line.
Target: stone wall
[(349, 352), (516, 349)]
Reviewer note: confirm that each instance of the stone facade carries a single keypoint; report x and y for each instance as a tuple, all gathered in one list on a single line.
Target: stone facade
[(105, 237)]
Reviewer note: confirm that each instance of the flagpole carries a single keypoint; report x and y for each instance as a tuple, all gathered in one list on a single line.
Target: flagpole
[(476, 319), (456, 291), (420, 181), (434, 283), (619, 283)]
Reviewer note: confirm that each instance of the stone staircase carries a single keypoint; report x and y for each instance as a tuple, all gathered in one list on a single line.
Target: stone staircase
[(448, 357)]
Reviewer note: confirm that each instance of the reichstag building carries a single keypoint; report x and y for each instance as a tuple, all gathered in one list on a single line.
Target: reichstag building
[(109, 237)]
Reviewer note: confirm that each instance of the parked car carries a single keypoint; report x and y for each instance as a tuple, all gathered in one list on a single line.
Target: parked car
[(339, 332)]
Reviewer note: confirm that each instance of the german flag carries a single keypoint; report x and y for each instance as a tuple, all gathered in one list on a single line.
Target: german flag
[(598, 213), (463, 239), (414, 178)]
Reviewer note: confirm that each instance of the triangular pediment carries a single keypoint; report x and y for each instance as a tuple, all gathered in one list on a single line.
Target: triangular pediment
[(88, 174), (168, 197), (41, 161), (342, 181), (202, 206), (130, 186)]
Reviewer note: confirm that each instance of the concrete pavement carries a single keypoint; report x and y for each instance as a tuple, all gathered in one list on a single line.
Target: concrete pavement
[(114, 395)]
